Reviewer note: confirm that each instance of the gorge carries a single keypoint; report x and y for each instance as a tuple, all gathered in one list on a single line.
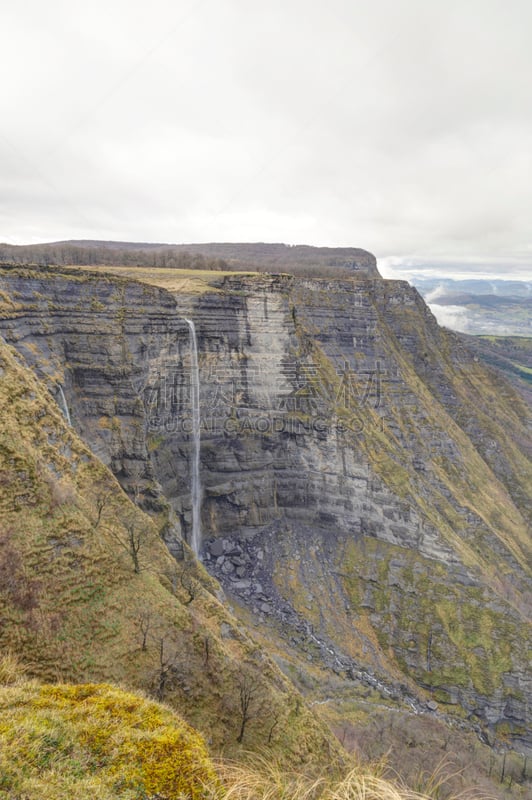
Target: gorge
[(362, 489)]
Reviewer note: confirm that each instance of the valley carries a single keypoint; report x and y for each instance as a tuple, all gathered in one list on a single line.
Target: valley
[(364, 503)]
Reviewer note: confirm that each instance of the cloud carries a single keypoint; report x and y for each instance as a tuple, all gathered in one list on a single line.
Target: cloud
[(454, 317), (402, 126)]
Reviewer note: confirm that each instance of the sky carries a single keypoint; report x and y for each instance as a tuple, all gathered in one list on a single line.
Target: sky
[(400, 126)]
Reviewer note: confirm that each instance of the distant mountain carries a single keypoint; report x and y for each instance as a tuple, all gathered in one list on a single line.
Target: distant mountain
[(258, 257), (475, 306), (474, 286)]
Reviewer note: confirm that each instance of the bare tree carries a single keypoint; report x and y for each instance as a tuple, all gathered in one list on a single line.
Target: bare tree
[(174, 665), (136, 536), (102, 500), (503, 768), (250, 701), (275, 719), (165, 664), (144, 623)]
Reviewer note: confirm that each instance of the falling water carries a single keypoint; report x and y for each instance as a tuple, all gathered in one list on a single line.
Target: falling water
[(195, 488), (66, 412)]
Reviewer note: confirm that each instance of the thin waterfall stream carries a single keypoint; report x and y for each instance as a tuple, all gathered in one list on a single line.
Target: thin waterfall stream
[(195, 480), (66, 412)]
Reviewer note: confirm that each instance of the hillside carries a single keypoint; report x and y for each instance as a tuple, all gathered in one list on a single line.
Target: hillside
[(91, 742), (365, 502), (511, 356), (91, 593)]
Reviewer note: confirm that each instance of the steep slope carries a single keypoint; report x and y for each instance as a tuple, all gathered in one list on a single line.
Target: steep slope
[(89, 592), (366, 484), (97, 742), (509, 355)]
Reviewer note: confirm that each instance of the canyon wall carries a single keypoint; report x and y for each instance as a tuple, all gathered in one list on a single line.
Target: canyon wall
[(365, 480)]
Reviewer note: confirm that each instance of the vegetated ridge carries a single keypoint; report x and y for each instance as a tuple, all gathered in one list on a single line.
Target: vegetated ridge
[(260, 257)]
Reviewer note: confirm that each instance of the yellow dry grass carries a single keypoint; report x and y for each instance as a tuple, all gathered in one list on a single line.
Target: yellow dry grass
[(186, 281), (263, 779), (96, 741)]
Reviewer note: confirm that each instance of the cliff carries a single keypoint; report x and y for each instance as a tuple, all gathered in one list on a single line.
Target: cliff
[(90, 593), (365, 479)]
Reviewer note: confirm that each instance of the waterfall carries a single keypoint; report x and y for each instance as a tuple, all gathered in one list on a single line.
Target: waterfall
[(66, 412), (195, 483)]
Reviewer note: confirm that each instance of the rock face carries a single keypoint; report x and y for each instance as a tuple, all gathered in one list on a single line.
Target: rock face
[(365, 483)]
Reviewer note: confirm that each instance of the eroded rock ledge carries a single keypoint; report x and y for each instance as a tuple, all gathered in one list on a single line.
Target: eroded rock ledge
[(367, 472)]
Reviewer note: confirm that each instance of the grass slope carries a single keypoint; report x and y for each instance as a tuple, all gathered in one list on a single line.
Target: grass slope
[(89, 592), (97, 741)]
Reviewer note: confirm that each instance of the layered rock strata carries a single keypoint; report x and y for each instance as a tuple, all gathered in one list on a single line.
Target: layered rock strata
[(365, 483)]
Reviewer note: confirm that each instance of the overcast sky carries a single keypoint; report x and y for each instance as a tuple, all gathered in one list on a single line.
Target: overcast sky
[(400, 126)]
